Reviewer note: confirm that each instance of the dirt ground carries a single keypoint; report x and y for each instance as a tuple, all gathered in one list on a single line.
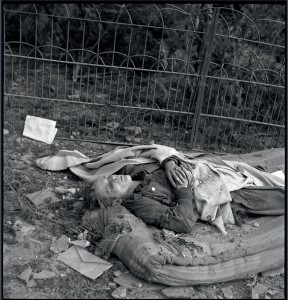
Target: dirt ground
[(22, 177)]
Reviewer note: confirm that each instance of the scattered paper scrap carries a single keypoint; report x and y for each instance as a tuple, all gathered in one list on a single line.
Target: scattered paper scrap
[(81, 243), (61, 190), (84, 262), (40, 129), (25, 275), (43, 198), (31, 283)]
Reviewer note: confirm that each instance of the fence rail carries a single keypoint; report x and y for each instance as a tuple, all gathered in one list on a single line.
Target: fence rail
[(188, 76)]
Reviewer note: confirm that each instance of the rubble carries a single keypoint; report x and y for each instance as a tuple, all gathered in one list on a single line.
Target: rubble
[(62, 190), (43, 198), (44, 274), (60, 245), (258, 290), (119, 293), (228, 292), (179, 292), (53, 268), (25, 275), (22, 230), (117, 273), (112, 285), (31, 283)]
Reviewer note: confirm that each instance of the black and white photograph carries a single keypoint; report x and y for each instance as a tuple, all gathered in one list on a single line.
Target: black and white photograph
[(143, 150)]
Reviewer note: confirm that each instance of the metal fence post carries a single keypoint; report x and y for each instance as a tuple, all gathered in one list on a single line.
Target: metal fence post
[(209, 46)]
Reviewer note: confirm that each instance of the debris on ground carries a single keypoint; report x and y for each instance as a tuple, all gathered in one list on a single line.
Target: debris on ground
[(53, 268), (5, 132), (40, 129), (44, 274), (117, 273), (81, 243), (31, 283), (63, 191), (120, 293), (25, 275), (179, 292), (228, 292), (258, 291), (22, 226), (22, 230), (84, 262), (112, 285), (83, 235), (60, 245), (168, 233), (43, 198)]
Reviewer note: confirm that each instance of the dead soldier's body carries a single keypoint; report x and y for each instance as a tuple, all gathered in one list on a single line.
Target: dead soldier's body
[(174, 192)]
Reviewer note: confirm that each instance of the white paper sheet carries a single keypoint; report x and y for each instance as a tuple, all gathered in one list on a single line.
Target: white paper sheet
[(40, 129)]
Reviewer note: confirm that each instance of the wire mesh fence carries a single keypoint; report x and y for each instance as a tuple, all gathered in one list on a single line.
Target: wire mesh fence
[(188, 76)]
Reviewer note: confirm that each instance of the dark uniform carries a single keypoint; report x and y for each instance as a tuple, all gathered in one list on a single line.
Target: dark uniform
[(156, 202)]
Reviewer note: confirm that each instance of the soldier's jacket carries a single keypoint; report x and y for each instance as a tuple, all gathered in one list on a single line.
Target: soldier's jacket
[(157, 203)]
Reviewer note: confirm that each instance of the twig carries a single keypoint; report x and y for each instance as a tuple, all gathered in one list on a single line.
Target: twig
[(11, 187)]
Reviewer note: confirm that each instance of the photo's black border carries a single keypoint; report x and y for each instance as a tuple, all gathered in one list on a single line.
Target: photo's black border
[(135, 1)]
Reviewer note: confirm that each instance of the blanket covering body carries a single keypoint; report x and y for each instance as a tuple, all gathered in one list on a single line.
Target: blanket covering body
[(214, 178)]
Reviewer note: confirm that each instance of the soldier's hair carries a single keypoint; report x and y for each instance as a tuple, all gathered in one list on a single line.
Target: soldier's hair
[(91, 200)]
